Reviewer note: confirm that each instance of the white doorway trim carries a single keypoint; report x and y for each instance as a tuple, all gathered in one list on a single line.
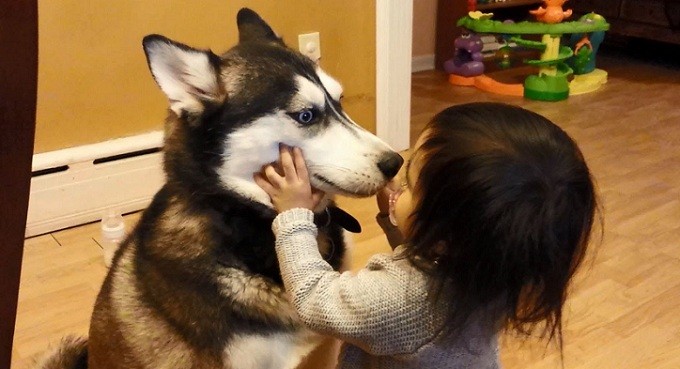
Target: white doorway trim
[(394, 33)]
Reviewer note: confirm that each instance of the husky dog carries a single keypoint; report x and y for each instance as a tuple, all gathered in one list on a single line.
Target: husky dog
[(197, 284)]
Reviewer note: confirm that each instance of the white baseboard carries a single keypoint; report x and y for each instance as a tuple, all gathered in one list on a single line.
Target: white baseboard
[(82, 191), (422, 62)]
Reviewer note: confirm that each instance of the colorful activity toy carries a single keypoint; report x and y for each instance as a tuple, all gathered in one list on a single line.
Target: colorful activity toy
[(562, 70)]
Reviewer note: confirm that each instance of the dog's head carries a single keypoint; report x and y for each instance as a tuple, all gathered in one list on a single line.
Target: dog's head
[(230, 112)]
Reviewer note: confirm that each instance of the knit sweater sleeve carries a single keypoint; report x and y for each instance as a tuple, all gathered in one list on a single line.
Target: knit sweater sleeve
[(375, 309)]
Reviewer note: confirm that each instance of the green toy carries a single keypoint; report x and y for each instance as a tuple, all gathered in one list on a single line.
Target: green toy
[(552, 81)]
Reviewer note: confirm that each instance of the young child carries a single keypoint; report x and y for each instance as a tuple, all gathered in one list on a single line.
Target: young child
[(496, 216)]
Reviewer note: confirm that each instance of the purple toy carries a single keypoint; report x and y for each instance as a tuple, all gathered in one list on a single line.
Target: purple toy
[(467, 59)]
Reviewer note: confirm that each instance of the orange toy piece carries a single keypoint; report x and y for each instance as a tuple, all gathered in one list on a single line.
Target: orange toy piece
[(488, 84), (583, 42), (552, 12)]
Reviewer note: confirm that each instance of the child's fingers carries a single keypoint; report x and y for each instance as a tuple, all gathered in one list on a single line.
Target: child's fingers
[(277, 167), (273, 177), (300, 164), (393, 185), (263, 183), (317, 195), (287, 162)]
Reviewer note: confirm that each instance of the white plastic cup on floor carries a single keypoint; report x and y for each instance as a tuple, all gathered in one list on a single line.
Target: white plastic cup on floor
[(113, 233)]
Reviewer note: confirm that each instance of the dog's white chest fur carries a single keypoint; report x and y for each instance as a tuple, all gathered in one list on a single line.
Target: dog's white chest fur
[(269, 351)]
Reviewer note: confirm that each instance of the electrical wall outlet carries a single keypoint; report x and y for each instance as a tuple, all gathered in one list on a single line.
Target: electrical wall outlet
[(310, 46)]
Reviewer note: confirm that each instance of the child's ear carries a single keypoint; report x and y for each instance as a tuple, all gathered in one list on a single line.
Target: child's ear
[(189, 77)]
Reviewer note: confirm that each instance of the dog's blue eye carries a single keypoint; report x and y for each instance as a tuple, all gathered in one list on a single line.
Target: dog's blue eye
[(305, 116)]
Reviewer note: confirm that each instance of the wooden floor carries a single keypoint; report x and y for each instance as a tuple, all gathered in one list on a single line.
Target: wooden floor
[(624, 311)]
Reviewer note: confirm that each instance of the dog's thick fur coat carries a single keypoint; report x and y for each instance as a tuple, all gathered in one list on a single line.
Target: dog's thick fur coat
[(197, 284)]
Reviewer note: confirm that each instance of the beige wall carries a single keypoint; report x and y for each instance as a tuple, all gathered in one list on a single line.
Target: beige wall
[(94, 84), (424, 24)]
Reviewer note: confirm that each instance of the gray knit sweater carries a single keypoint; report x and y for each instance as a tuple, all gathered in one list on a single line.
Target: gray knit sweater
[(383, 313)]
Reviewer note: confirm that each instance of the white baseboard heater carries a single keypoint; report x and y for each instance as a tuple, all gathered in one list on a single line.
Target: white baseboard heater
[(78, 185)]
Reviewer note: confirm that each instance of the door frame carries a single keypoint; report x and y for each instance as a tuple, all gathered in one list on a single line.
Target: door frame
[(394, 35)]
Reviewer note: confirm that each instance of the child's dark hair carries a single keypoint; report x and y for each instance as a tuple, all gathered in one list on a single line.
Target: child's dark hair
[(511, 198)]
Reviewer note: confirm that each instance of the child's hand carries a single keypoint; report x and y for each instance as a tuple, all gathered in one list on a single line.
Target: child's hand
[(292, 190), (383, 196)]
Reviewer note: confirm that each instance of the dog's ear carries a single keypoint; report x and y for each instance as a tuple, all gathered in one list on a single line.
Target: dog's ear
[(189, 77), (253, 28)]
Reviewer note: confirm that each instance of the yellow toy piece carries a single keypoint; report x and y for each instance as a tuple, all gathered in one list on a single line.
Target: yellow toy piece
[(479, 15), (585, 83)]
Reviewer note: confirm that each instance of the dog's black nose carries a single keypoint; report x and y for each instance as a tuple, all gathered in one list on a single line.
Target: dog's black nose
[(389, 164)]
